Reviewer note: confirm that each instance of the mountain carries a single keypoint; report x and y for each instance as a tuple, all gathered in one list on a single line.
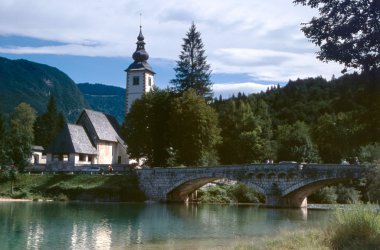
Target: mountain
[(33, 83), (105, 98)]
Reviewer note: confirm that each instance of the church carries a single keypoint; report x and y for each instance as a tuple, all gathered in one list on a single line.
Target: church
[(95, 138)]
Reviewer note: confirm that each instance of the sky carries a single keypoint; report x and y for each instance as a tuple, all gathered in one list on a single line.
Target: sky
[(250, 44)]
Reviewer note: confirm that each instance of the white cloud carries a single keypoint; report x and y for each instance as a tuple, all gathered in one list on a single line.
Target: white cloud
[(228, 89), (258, 38)]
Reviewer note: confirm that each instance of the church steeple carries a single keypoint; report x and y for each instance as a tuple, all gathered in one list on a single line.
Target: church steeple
[(140, 54), (140, 76)]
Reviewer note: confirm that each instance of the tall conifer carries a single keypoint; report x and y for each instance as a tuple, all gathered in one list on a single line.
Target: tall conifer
[(192, 70)]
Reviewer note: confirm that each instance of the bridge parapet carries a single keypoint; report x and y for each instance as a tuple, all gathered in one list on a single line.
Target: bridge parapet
[(276, 181)]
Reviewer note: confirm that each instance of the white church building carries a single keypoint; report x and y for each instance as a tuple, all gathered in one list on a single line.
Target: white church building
[(95, 138)]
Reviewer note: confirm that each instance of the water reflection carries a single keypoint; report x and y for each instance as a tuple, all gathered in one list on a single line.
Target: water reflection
[(118, 225)]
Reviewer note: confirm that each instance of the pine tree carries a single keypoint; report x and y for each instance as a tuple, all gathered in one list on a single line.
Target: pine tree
[(192, 71), (48, 125)]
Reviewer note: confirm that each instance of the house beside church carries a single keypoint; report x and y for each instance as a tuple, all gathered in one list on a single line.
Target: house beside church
[(94, 139)]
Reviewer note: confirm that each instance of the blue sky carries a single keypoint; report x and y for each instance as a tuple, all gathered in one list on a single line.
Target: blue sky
[(249, 45)]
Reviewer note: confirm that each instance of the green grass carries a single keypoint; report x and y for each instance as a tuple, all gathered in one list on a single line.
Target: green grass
[(356, 228), (72, 187), (311, 239)]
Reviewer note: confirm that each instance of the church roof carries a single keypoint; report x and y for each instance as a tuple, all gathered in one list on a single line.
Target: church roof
[(103, 127), (140, 65), (72, 139), (140, 56)]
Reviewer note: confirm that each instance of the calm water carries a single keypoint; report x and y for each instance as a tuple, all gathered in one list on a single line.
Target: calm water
[(82, 226)]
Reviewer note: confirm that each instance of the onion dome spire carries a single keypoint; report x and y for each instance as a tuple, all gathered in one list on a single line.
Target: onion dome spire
[(140, 54)]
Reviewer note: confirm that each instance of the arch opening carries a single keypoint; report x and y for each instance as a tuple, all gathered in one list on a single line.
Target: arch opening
[(219, 190)]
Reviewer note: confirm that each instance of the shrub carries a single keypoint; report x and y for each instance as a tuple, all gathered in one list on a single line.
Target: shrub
[(356, 228), (243, 194), (326, 195), (347, 195)]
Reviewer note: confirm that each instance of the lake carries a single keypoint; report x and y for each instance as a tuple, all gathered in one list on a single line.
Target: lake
[(80, 225)]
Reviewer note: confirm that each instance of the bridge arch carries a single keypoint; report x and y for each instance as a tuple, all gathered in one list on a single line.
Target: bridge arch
[(296, 195), (182, 189)]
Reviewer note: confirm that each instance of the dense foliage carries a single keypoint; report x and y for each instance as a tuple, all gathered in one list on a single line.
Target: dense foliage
[(311, 120), (228, 193), (192, 70), (147, 130), (166, 130), (19, 139), (48, 125), (346, 31), (34, 83)]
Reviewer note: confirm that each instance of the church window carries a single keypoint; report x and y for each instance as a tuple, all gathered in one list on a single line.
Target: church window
[(150, 81), (136, 80)]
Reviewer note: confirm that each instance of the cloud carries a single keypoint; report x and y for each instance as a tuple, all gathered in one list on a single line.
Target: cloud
[(228, 89), (261, 39)]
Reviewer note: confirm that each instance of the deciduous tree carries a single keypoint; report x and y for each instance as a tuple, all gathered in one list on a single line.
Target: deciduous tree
[(195, 130), (346, 31), (21, 135), (147, 130)]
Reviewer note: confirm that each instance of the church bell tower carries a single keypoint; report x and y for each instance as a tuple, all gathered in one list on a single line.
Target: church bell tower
[(140, 76)]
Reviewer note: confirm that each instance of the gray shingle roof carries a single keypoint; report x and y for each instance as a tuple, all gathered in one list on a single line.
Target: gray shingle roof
[(105, 130), (72, 139)]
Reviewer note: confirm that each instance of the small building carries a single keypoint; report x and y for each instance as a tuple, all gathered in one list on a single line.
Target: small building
[(38, 155), (94, 139)]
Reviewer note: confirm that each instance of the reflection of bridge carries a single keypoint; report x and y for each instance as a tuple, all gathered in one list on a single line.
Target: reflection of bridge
[(284, 185)]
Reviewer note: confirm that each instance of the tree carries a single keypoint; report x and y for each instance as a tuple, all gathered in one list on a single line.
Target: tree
[(147, 130), (195, 130), (192, 71), (3, 147), (295, 143), (8, 173), (47, 126), (337, 136), (347, 32), (21, 135), (244, 140)]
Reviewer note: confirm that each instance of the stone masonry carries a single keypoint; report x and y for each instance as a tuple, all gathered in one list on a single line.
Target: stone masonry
[(284, 185)]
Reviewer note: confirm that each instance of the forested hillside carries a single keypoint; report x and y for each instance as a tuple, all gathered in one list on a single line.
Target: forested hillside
[(34, 83), (105, 98), (307, 120)]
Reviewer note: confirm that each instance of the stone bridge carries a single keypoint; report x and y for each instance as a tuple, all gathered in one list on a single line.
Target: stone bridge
[(284, 185)]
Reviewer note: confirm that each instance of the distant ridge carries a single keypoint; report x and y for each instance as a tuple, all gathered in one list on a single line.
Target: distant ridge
[(105, 98), (33, 83)]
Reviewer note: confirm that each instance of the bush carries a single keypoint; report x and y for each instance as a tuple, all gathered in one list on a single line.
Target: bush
[(243, 194), (214, 194), (347, 195), (356, 228), (326, 195)]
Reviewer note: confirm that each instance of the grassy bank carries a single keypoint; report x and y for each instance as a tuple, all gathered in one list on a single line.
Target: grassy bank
[(74, 187), (357, 227)]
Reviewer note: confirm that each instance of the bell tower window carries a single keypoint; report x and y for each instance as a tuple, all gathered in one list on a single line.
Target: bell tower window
[(136, 80)]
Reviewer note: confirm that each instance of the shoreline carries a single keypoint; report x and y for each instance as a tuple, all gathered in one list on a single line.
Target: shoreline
[(13, 200)]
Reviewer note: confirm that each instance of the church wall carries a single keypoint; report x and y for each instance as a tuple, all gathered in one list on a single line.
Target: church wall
[(134, 92), (120, 151), (105, 152)]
